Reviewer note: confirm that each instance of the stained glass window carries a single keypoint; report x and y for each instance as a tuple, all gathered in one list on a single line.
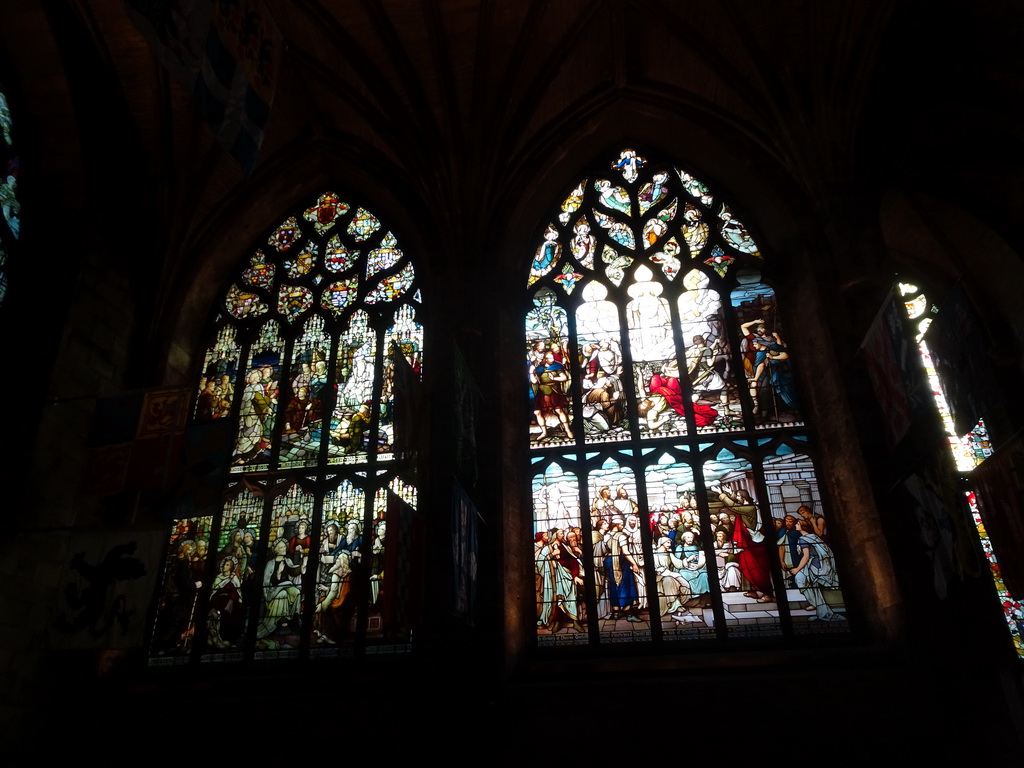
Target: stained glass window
[(309, 382), (675, 495), (968, 451), (10, 205)]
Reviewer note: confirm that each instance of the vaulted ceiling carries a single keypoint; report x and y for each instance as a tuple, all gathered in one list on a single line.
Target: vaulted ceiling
[(451, 106)]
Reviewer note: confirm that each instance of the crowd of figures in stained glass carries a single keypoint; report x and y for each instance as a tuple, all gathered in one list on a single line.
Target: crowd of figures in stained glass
[(10, 206), (311, 363), (674, 492)]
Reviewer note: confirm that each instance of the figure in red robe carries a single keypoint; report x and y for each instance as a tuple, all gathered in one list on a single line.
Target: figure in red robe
[(667, 385)]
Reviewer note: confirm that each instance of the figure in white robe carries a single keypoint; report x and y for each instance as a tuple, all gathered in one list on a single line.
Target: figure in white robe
[(815, 571)]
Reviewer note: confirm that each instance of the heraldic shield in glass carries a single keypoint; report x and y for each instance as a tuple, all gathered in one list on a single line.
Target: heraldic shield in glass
[(674, 489), (305, 414)]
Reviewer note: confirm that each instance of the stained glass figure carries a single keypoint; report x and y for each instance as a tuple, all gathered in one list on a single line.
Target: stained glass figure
[(390, 533), (338, 258), (598, 337), (308, 395), (583, 244), (9, 203), (616, 264), (629, 163), (766, 360), (5, 119), (258, 410), (684, 585), (340, 564), (695, 188), (183, 581), (615, 515), (328, 209), (731, 499), (567, 278), (695, 230), (808, 564), (558, 557), (546, 256), (405, 340), (663, 406), (355, 376), (547, 333), (259, 274), (572, 203), (612, 197), (234, 591), (293, 300), (363, 225), (286, 235), (719, 261), (242, 303), (217, 382), (668, 258), (338, 295), (304, 262), (709, 364), (653, 230), (653, 192), (288, 557), (735, 234), (617, 230), (648, 384)]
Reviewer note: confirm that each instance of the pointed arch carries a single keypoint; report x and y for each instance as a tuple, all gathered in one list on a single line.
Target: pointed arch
[(314, 346), (665, 424)]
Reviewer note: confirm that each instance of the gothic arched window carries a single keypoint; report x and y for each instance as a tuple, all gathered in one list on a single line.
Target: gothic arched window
[(306, 380), (674, 489)]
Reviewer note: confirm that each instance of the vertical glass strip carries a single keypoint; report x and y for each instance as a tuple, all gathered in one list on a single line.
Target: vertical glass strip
[(234, 592), (289, 543), (341, 541), (558, 561), (183, 580), (751, 609)]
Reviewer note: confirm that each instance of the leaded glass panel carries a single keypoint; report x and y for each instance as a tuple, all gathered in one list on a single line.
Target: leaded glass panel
[(662, 398), (319, 377)]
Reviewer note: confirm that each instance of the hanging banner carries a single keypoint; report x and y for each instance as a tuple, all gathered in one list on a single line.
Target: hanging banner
[(226, 55), (108, 581), (892, 361), (959, 350)]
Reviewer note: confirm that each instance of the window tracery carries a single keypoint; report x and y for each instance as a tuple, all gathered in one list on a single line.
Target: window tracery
[(673, 480), (307, 375)]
